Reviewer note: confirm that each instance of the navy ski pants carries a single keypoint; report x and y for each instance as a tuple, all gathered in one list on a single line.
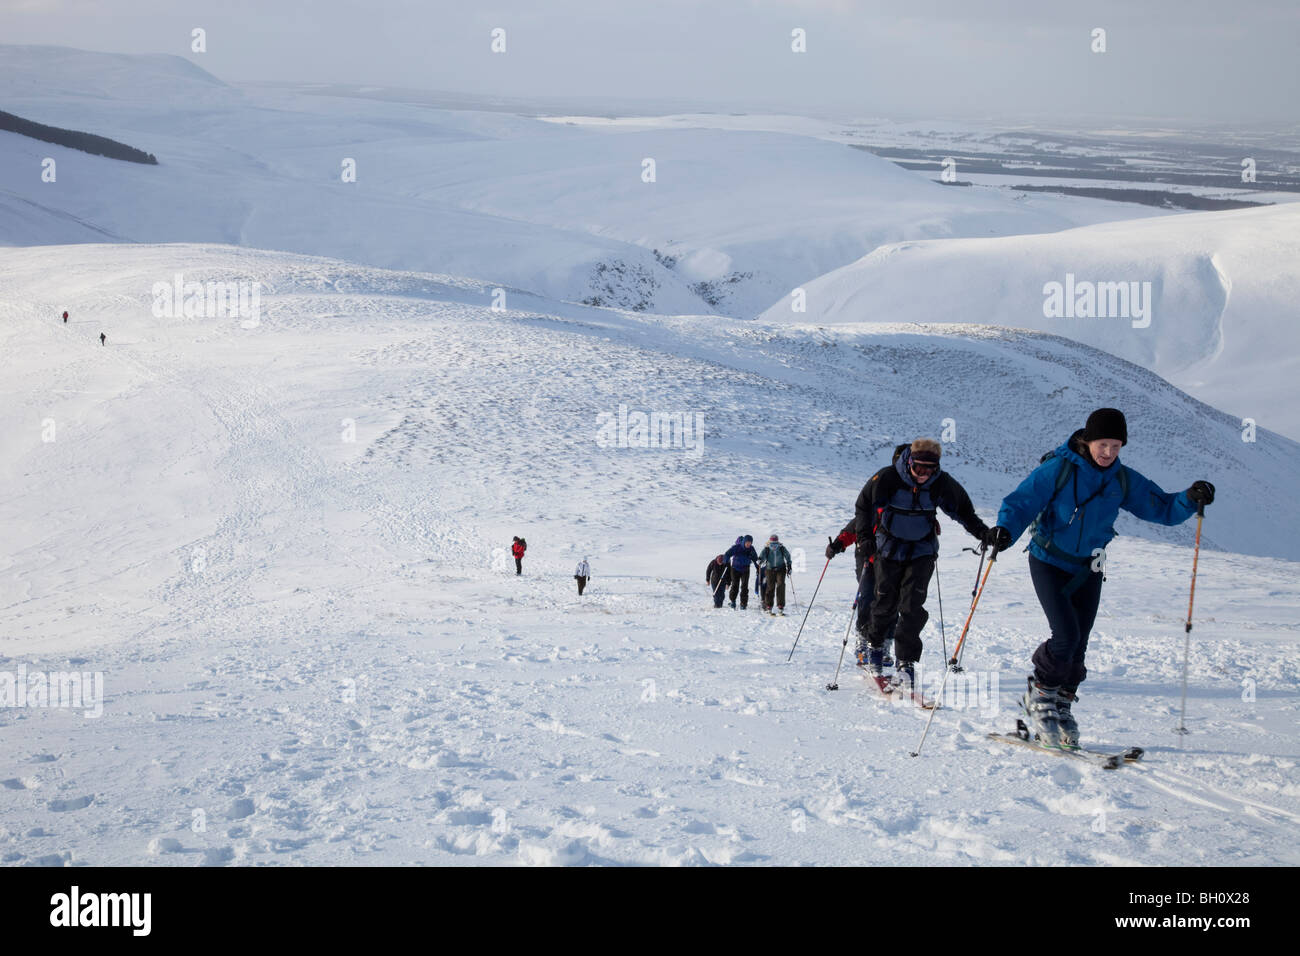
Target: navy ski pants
[(1058, 662)]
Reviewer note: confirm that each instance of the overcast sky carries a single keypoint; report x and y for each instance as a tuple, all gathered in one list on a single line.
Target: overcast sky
[(1186, 59)]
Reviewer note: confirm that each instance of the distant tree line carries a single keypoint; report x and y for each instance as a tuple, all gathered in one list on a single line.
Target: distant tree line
[(1148, 197), (86, 142)]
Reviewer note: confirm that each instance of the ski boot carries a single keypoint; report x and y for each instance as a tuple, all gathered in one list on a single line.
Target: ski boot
[(874, 662), (1069, 726), (733, 605), (781, 611), (889, 652), (1039, 705), (904, 677)]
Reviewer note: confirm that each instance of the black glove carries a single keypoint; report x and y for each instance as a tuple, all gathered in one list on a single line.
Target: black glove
[(1201, 493), (833, 548), (998, 538)]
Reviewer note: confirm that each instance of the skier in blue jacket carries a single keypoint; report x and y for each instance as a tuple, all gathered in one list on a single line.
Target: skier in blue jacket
[(1071, 500), (740, 555)]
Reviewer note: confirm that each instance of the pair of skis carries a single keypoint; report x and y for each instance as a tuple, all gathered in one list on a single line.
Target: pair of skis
[(893, 691), (1107, 760)]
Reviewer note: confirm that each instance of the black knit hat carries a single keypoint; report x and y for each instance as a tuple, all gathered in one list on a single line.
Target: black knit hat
[(1106, 423)]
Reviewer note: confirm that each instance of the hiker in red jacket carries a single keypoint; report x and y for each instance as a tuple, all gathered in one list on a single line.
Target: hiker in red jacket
[(518, 549)]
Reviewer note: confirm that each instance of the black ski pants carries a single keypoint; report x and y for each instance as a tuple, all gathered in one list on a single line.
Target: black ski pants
[(901, 587), (740, 583), (866, 595)]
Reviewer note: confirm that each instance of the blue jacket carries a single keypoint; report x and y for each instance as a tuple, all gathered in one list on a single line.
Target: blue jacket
[(740, 554), (1082, 516)]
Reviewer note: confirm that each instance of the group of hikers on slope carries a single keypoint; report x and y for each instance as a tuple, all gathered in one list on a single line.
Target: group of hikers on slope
[(1069, 504), (728, 574)]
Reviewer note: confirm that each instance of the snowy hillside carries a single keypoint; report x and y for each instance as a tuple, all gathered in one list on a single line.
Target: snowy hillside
[(732, 220), (1222, 288), (283, 547)]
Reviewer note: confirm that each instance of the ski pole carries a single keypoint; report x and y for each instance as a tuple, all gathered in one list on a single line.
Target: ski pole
[(809, 608), (948, 670), (938, 584), (835, 681), (722, 583), (955, 661), (961, 641), (1187, 628), (794, 598)]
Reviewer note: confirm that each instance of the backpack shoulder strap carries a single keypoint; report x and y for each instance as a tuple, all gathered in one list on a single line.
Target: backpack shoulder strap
[(1063, 474), (887, 479)]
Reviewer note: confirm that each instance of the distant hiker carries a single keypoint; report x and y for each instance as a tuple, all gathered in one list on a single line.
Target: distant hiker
[(1069, 504), (103, 339), (775, 560), (518, 549), (740, 555), (864, 550), (718, 575), (898, 505), (65, 318), (583, 572)]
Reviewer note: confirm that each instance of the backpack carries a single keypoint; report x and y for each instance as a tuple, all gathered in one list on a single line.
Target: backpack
[(887, 512), (777, 558)]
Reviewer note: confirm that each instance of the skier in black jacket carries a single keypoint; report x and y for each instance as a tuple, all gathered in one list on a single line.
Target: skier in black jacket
[(718, 575), (864, 550), (897, 507)]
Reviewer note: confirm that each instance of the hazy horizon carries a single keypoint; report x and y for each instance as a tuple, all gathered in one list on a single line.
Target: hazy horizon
[(1192, 62)]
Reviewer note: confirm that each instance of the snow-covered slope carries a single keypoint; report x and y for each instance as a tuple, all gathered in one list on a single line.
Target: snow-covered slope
[(737, 217), (120, 81), (1222, 288), (283, 548)]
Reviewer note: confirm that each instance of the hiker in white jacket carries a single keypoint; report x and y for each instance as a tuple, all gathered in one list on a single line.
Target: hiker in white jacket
[(583, 572)]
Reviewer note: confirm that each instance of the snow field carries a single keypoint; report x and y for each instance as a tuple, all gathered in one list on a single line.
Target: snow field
[(314, 651)]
